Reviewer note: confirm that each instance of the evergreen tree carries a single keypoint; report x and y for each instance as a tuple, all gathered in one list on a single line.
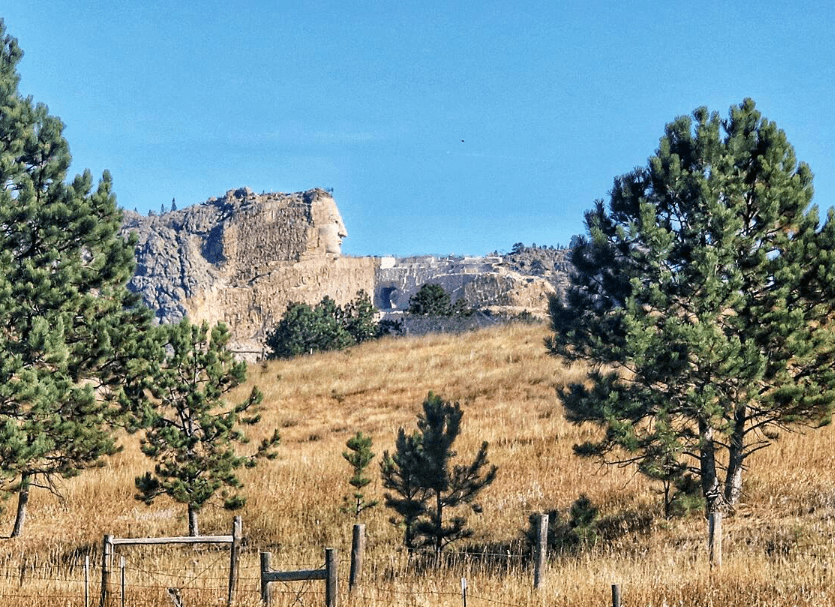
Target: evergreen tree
[(359, 456), (358, 318), (401, 474), (304, 329), (173, 204), (430, 300), (702, 299), (67, 316), (190, 431), (433, 300), (427, 481), (327, 326)]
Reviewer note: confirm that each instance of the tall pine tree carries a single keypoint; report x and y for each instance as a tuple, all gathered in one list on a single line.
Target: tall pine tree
[(703, 302), (68, 320)]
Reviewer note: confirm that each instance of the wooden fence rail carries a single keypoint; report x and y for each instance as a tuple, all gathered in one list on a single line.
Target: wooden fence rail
[(330, 574), (110, 542)]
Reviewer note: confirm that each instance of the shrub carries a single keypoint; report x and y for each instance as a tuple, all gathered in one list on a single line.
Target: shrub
[(327, 326)]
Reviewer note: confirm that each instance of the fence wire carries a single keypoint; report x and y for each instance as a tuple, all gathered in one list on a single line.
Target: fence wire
[(206, 583)]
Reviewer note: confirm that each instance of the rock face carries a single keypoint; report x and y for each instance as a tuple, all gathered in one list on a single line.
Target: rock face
[(242, 258), (494, 282)]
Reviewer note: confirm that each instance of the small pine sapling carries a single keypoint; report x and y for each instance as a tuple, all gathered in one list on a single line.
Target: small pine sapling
[(427, 481), (359, 456)]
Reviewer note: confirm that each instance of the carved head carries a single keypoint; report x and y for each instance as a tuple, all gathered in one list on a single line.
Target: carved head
[(329, 222)]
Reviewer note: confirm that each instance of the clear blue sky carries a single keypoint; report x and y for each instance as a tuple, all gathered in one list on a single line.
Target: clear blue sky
[(443, 127)]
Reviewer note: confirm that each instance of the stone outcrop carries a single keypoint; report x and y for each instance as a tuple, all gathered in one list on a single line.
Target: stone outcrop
[(243, 257), (494, 282)]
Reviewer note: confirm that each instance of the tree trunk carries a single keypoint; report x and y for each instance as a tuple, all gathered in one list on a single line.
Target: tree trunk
[(736, 456), (707, 465), (712, 493), (193, 530), (22, 501), (438, 523), (714, 539)]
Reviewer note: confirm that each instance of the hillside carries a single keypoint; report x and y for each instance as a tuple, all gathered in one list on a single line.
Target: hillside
[(776, 546)]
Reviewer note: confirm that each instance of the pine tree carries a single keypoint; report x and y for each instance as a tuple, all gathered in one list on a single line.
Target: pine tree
[(67, 316), (190, 431), (358, 318), (702, 300), (428, 483), (304, 329), (431, 300), (400, 472), (359, 456)]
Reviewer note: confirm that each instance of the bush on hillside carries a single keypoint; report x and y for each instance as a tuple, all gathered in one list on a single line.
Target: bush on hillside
[(305, 329), (583, 527)]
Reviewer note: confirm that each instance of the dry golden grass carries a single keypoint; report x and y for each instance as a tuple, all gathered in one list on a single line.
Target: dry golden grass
[(778, 547)]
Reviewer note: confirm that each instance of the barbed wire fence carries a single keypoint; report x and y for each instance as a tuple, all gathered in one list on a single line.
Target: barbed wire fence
[(202, 578)]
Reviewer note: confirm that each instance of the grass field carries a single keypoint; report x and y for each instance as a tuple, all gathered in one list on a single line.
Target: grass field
[(778, 545)]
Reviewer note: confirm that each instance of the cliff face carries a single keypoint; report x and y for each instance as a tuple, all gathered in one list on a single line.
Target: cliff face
[(493, 282), (242, 258)]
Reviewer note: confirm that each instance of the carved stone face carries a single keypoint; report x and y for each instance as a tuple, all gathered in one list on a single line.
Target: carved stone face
[(331, 228)]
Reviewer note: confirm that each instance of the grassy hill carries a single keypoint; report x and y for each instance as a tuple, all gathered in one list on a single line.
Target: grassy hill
[(778, 545)]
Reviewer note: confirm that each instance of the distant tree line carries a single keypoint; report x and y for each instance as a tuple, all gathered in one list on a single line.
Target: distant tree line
[(327, 326), (306, 329)]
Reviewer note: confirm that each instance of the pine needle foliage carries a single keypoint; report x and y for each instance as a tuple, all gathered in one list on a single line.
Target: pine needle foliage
[(190, 431), (427, 484), (703, 302), (359, 456), (305, 329), (67, 317), (433, 300)]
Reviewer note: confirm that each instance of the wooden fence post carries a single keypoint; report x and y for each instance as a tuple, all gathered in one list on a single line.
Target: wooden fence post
[(265, 584), (615, 595), (122, 580), (330, 575), (87, 581), (106, 562), (357, 550), (331, 578), (541, 550), (237, 534), (714, 539)]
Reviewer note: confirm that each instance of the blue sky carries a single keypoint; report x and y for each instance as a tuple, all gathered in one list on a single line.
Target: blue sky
[(443, 127)]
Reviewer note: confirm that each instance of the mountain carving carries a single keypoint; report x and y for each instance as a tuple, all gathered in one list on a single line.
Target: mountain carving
[(243, 257)]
